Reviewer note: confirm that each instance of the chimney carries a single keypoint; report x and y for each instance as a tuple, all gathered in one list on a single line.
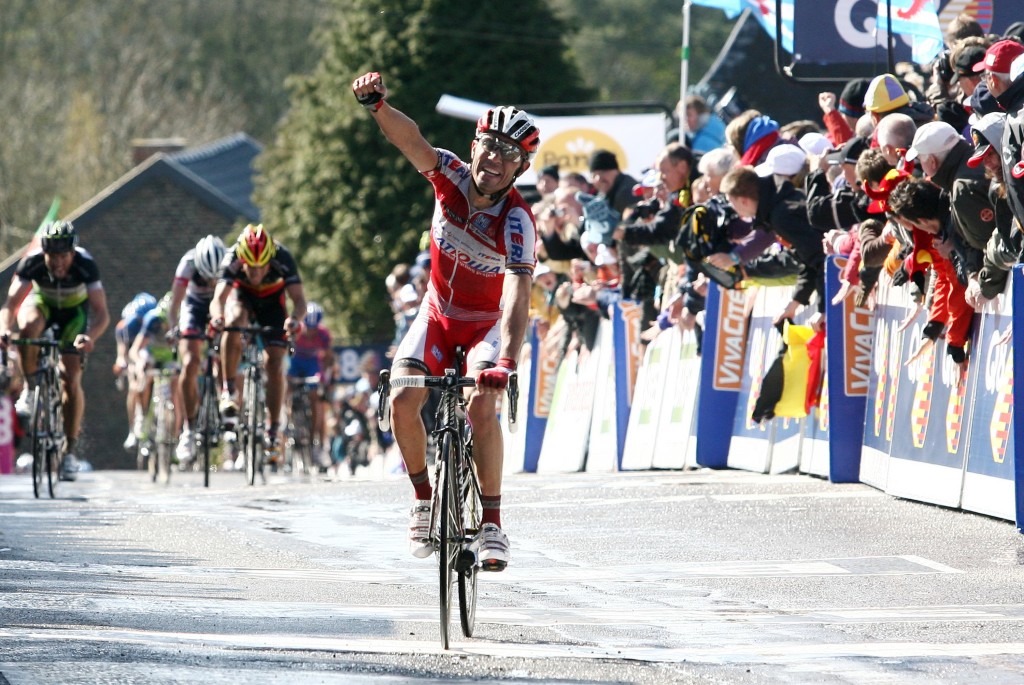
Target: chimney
[(144, 148)]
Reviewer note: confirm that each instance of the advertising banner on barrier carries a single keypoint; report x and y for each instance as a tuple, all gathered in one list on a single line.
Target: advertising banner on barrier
[(721, 373), (653, 389), (751, 442), (676, 445), (568, 431), (1017, 286), (629, 350), (850, 337), (603, 447), (929, 443), (543, 372), (886, 372), (989, 478)]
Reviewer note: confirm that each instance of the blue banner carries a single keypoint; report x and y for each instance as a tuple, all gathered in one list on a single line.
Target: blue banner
[(350, 360), (723, 351), (849, 341)]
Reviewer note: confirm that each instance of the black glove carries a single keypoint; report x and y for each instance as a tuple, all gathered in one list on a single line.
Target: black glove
[(900, 277), (932, 330), (957, 354)]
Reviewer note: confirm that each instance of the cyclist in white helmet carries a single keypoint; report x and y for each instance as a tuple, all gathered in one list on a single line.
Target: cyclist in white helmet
[(194, 283), (483, 253)]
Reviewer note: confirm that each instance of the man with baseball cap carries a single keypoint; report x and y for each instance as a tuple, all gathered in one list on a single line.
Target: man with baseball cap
[(1011, 100), (996, 65)]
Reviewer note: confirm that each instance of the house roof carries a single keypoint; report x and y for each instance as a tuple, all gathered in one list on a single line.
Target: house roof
[(226, 164)]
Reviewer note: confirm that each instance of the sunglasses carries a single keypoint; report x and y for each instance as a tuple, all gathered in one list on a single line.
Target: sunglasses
[(508, 151)]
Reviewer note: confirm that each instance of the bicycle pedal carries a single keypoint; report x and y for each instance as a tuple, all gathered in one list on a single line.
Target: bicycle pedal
[(465, 561)]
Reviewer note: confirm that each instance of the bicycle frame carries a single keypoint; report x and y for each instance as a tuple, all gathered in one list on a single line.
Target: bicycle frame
[(456, 505), (254, 404), (207, 428), (46, 422)]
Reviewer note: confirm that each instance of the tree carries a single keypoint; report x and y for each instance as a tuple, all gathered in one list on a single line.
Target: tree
[(334, 190)]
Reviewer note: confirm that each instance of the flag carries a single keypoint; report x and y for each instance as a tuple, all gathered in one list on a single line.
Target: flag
[(51, 215), (732, 8), (916, 19), (763, 10)]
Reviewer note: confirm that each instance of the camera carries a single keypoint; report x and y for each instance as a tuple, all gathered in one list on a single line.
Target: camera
[(645, 210)]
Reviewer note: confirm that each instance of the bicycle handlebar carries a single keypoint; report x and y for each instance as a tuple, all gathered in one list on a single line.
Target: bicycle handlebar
[(38, 342), (433, 382)]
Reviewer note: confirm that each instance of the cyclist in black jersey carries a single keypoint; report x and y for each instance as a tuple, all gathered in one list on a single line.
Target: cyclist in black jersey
[(58, 285), (256, 275)]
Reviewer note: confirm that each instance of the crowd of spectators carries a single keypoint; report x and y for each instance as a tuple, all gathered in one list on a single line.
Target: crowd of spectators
[(917, 174)]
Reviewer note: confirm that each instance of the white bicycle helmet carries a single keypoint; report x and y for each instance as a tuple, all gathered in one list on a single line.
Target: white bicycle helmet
[(209, 254), (513, 123)]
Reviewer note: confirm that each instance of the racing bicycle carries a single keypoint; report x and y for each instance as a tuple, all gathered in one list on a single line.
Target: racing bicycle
[(254, 399), (46, 420), (455, 508)]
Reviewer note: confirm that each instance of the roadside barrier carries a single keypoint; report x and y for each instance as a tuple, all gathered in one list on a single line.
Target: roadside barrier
[(927, 430)]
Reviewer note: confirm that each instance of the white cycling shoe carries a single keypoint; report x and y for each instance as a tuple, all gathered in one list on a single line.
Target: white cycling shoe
[(419, 530), (492, 548)]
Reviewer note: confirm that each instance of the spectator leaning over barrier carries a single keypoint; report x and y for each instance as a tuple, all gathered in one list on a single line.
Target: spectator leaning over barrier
[(713, 167), (655, 222), (923, 209), (1012, 101), (615, 188), (778, 209), (895, 135), (943, 156), (705, 129), (1004, 246)]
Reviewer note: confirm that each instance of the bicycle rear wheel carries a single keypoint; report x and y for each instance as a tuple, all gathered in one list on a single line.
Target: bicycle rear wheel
[(37, 428), (472, 508), (449, 533)]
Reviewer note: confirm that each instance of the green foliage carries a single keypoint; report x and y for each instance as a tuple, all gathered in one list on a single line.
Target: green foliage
[(336, 191)]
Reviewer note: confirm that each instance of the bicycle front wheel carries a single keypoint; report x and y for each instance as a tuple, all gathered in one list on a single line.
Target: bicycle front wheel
[(449, 530), (55, 438), (469, 492), (254, 422), (206, 424), (37, 428)]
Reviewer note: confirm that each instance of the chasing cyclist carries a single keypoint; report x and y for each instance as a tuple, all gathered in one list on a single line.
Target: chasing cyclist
[(482, 256), (124, 334), (256, 274), (195, 280), (152, 349), (311, 357), (64, 282)]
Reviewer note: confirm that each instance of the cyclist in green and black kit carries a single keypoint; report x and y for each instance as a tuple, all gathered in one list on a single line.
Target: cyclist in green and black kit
[(58, 285)]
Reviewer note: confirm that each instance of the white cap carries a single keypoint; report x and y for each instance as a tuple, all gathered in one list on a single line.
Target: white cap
[(408, 293), (933, 138), (785, 160), (604, 256), (814, 143), (1016, 67), (541, 270)]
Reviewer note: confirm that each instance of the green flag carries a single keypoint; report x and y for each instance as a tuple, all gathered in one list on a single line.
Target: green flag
[(50, 215)]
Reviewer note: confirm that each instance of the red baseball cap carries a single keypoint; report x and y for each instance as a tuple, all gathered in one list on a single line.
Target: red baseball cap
[(999, 56)]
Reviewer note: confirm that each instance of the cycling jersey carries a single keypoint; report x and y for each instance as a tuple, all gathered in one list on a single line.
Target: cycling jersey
[(282, 272), (70, 291), (470, 251), (197, 287), (154, 327), (309, 347)]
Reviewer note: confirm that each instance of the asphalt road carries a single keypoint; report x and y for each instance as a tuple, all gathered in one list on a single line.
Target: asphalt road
[(657, 577)]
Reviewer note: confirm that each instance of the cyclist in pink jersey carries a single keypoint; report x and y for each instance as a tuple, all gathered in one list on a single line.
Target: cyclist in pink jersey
[(483, 252)]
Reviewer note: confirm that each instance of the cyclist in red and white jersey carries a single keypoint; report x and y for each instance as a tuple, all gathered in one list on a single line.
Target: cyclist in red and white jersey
[(483, 252)]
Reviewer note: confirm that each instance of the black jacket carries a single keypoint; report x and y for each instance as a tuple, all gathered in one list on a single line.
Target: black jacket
[(1013, 140)]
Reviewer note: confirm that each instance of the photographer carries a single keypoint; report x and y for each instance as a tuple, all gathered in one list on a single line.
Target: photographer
[(656, 221)]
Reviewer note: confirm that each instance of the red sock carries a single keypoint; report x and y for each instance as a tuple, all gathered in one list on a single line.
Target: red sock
[(421, 483), (492, 510)]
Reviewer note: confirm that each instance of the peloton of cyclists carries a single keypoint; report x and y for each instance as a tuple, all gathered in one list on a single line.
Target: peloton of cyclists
[(256, 275), (311, 357), (482, 257), (58, 285), (195, 280)]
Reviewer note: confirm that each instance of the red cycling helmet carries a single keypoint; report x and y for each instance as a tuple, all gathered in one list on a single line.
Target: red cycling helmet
[(513, 123)]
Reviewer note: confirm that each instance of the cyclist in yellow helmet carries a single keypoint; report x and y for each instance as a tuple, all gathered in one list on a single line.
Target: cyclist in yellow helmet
[(256, 275)]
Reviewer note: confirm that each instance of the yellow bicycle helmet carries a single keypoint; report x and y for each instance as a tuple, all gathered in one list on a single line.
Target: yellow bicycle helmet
[(255, 247)]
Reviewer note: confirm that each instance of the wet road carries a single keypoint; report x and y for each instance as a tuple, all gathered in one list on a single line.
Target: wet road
[(698, 577)]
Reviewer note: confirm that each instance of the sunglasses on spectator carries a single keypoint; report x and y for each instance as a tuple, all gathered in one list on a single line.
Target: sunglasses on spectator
[(508, 151)]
